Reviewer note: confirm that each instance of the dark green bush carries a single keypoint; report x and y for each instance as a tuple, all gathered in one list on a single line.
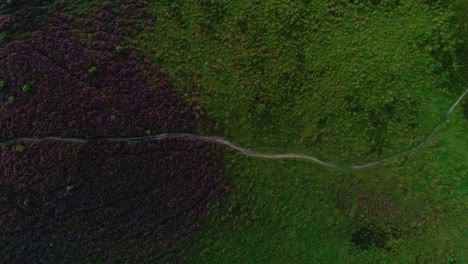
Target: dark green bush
[(20, 148), (119, 49), (26, 88), (262, 110), (27, 202), (92, 70)]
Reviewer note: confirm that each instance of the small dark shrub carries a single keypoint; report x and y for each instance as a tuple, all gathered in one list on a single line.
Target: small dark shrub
[(119, 49), (20, 148), (92, 70), (262, 110), (26, 88), (369, 236), (27, 202)]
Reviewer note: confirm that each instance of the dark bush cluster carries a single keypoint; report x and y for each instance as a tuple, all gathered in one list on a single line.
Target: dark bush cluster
[(96, 202)]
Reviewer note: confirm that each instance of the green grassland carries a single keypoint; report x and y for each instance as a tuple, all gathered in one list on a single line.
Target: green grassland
[(347, 81)]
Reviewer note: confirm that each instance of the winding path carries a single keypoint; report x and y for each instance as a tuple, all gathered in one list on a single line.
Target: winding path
[(246, 151)]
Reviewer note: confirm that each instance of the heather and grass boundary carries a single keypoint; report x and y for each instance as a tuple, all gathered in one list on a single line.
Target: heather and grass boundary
[(343, 80)]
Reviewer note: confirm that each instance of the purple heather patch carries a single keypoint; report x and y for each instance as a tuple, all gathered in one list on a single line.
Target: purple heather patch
[(124, 196), (96, 202), (76, 102)]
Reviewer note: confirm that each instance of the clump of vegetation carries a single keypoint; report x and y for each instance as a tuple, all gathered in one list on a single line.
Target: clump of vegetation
[(93, 70), (27, 202), (119, 49), (20, 148), (262, 110), (11, 98), (2, 84), (26, 88)]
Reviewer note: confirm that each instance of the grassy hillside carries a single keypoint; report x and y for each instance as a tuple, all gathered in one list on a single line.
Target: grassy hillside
[(347, 81), (333, 78)]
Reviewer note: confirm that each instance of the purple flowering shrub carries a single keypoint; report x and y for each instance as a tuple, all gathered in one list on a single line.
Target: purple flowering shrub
[(101, 201)]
